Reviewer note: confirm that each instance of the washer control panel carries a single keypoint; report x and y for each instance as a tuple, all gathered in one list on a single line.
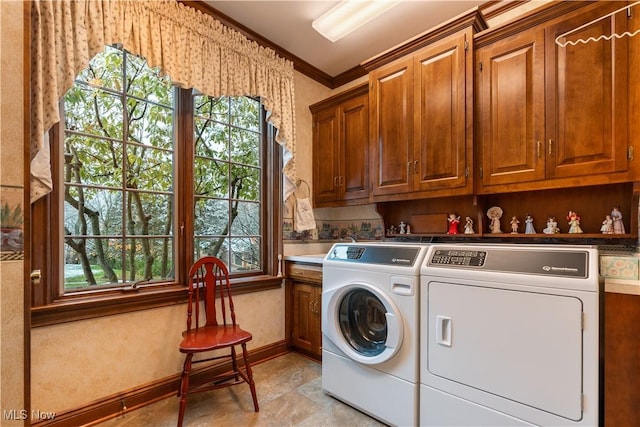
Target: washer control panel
[(468, 258)]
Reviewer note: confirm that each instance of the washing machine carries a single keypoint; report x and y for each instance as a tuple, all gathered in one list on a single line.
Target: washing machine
[(510, 335), (370, 320)]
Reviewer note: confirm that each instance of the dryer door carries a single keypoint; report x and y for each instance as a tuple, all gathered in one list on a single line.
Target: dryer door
[(363, 323)]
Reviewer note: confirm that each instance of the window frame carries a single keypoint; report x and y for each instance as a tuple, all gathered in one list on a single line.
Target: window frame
[(50, 306)]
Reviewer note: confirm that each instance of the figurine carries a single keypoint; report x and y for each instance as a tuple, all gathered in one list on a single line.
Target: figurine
[(552, 226), (495, 213), (408, 229), (514, 225), (618, 225), (391, 230), (402, 227), (468, 226), (574, 222), (528, 227), (607, 225), (454, 220)]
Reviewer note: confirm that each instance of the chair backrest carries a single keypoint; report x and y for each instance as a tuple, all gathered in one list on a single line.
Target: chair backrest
[(208, 282)]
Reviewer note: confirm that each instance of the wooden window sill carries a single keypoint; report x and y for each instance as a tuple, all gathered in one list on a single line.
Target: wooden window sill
[(73, 308)]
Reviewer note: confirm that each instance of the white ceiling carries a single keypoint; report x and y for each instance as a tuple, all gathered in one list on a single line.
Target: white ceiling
[(288, 25)]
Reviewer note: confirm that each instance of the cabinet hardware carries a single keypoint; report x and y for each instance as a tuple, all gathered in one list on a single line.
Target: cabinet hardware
[(466, 172), (480, 64), (630, 152), (550, 147), (415, 167), (409, 169), (36, 276), (538, 148)]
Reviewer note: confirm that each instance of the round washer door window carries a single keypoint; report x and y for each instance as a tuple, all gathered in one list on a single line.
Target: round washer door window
[(363, 322)]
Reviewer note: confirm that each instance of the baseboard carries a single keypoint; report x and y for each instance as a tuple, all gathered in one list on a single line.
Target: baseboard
[(129, 400)]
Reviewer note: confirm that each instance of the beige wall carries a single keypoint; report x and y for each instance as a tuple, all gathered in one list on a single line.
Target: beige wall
[(12, 328)]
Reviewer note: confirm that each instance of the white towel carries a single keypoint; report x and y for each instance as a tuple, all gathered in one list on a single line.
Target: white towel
[(304, 219)]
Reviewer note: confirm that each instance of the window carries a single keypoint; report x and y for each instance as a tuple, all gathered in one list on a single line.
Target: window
[(149, 178)]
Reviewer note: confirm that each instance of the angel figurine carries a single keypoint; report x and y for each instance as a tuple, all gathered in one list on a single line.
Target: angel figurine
[(607, 225), (494, 214), (574, 222), (514, 224), (468, 226), (453, 220), (552, 226), (528, 225)]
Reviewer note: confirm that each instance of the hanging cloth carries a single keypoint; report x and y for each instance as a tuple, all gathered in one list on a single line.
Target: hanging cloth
[(303, 215)]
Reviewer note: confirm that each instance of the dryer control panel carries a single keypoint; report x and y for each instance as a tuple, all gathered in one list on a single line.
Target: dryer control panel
[(458, 257)]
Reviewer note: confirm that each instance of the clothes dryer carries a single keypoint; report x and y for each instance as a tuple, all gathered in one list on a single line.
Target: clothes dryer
[(510, 335), (370, 301)]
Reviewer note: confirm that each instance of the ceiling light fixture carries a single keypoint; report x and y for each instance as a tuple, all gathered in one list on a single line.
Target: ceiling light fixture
[(350, 15)]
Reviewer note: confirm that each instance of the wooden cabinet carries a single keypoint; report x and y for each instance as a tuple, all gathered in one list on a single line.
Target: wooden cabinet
[(621, 360), (340, 149), (304, 304), (549, 113), (420, 122)]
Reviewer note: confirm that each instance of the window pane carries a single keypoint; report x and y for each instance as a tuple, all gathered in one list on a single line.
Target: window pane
[(214, 246), (245, 254), (212, 217), (244, 144), (119, 184), (149, 168), (150, 124), (92, 161), (227, 169), (148, 259), (247, 223), (211, 178), (91, 262), (92, 212), (245, 183), (93, 111)]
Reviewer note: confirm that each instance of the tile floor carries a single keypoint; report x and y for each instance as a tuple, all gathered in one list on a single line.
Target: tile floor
[(289, 391)]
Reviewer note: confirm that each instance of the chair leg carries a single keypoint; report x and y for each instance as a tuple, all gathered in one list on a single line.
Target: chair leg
[(234, 362), (252, 384), (184, 386)]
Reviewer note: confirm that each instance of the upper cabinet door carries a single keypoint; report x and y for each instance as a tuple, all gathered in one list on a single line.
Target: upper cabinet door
[(326, 156), (511, 109), (354, 137), (441, 114), (587, 88), (391, 127)]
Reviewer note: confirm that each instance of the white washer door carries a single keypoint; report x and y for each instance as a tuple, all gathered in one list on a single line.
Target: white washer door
[(363, 322)]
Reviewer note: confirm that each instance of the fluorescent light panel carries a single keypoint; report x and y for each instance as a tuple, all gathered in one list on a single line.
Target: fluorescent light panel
[(350, 15)]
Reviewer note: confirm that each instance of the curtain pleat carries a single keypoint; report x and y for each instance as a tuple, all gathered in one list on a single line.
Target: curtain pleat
[(192, 48)]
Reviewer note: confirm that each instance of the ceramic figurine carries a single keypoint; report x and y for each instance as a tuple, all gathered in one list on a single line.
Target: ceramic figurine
[(607, 225), (528, 225), (494, 214), (468, 226), (552, 226), (618, 225), (453, 220), (408, 229), (402, 227), (514, 225), (574, 222)]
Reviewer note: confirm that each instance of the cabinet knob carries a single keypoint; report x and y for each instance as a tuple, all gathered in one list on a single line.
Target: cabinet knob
[(550, 147), (539, 148)]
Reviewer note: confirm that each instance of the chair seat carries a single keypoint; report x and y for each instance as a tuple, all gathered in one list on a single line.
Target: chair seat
[(208, 338)]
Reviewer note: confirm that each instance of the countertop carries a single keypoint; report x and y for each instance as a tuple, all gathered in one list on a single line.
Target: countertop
[(311, 258)]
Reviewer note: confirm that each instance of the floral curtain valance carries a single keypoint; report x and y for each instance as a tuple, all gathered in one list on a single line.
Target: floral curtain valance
[(194, 49)]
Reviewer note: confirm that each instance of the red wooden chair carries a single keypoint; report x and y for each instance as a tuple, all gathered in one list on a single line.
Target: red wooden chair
[(209, 282)]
